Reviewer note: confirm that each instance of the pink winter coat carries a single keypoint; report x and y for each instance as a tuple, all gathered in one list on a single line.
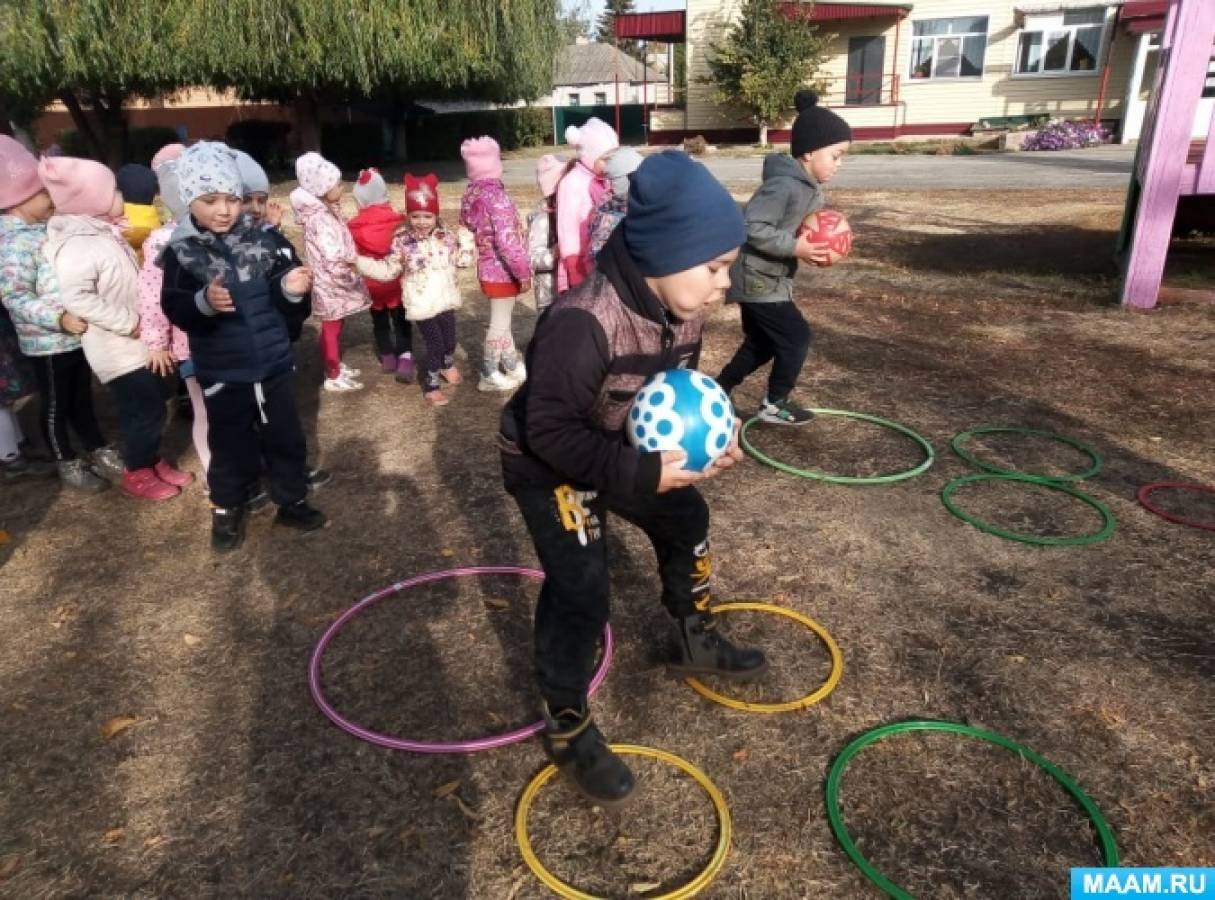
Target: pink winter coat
[(337, 289), (576, 201), (489, 213), (154, 328)]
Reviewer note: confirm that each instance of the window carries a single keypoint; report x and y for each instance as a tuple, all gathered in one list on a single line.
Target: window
[(1067, 43), (600, 98), (574, 99), (948, 48)]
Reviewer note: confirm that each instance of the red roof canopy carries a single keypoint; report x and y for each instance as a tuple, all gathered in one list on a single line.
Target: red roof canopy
[(1142, 16), (655, 26), (838, 12)]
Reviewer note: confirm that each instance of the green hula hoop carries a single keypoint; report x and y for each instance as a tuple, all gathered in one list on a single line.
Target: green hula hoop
[(1080, 540), (929, 453), (1105, 835), (961, 437)]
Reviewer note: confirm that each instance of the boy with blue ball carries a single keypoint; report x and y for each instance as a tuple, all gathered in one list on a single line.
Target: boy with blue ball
[(567, 463)]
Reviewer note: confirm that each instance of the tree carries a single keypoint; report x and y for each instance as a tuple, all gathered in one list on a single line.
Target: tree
[(95, 54), (605, 28), (92, 56), (766, 56), (574, 22), (333, 51)]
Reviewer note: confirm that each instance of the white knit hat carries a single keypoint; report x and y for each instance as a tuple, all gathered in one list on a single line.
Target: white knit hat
[(316, 174)]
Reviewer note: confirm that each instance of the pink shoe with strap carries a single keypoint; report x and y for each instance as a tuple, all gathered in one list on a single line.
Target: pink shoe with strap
[(170, 474)]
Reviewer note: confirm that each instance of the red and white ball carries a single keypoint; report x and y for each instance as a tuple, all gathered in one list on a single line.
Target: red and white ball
[(827, 226)]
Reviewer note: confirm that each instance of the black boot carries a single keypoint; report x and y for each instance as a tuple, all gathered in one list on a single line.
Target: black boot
[(301, 517), (227, 527), (579, 750), (702, 650)]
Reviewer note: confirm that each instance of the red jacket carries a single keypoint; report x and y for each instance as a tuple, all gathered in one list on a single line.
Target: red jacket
[(373, 230)]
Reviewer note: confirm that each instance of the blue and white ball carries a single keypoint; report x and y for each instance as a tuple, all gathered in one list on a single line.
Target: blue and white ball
[(680, 409)]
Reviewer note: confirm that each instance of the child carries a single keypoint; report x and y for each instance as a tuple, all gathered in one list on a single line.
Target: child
[(337, 290), (47, 334), (99, 283), (762, 279), (138, 187), (580, 192), (168, 346), (622, 163), (425, 256), (373, 230), (567, 463), (542, 230), (267, 215), (255, 202), (502, 265), (225, 285)]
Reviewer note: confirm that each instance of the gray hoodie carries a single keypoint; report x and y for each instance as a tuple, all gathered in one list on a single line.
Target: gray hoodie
[(766, 266)]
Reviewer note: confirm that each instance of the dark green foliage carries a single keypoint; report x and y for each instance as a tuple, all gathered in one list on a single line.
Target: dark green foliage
[(439, 136)]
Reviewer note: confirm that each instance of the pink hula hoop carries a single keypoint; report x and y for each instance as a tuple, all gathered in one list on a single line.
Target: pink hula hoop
[(1144, 496), (491, 742)]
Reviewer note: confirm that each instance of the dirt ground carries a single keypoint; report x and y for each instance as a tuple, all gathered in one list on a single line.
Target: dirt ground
[(956, 310)]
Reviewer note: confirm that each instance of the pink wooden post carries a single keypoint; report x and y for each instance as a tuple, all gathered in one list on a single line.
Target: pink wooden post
[(1185, 53)]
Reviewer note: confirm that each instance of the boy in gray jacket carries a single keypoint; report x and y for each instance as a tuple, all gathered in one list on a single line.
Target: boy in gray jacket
[(762, 278)]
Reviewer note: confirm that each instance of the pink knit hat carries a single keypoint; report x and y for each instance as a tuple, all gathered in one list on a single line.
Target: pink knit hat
[(482, 158), (18, 173), (593, 140), (316, 174), (549, 170), (167, 153), (78, 187)]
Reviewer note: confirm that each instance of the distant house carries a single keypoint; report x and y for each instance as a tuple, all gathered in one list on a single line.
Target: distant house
[(939, 67), (588, 75)]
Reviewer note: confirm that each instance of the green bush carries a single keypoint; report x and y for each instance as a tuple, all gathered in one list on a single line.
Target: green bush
[(265, 140), (142, 143), (440, 136)]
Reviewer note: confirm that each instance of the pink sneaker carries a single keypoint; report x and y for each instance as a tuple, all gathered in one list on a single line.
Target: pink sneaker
[(435, 398), (388, 363), (143, 484), (170, 474), (452, 375)]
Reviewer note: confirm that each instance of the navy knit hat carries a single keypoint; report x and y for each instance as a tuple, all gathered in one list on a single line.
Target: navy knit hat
[(679, 216), (138, 184), (816, 126)]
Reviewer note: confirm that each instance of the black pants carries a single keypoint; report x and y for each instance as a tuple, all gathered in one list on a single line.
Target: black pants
[(771, 331), (246, 424), (439, 335), (140, 397), (569, 529), (65, 385), (393, 333)]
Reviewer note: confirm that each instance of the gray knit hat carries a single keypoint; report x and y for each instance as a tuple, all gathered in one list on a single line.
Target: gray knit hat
[(208, 167)]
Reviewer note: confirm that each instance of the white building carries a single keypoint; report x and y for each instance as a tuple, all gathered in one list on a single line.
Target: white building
[(590, 74)]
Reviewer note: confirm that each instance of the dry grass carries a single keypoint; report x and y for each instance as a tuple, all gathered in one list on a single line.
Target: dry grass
[(956, 310)]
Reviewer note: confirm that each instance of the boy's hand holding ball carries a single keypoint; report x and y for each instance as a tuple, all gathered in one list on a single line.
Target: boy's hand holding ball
[(818, 254)]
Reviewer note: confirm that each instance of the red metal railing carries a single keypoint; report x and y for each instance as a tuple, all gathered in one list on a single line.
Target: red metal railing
[(874, 89)]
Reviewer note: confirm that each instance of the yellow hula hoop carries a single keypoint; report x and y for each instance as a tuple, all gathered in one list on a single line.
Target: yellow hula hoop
[(691, 889), (837, 663)]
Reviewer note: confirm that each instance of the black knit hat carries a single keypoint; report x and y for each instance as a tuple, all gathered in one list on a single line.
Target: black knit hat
[(816, 126), (138, 184)]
